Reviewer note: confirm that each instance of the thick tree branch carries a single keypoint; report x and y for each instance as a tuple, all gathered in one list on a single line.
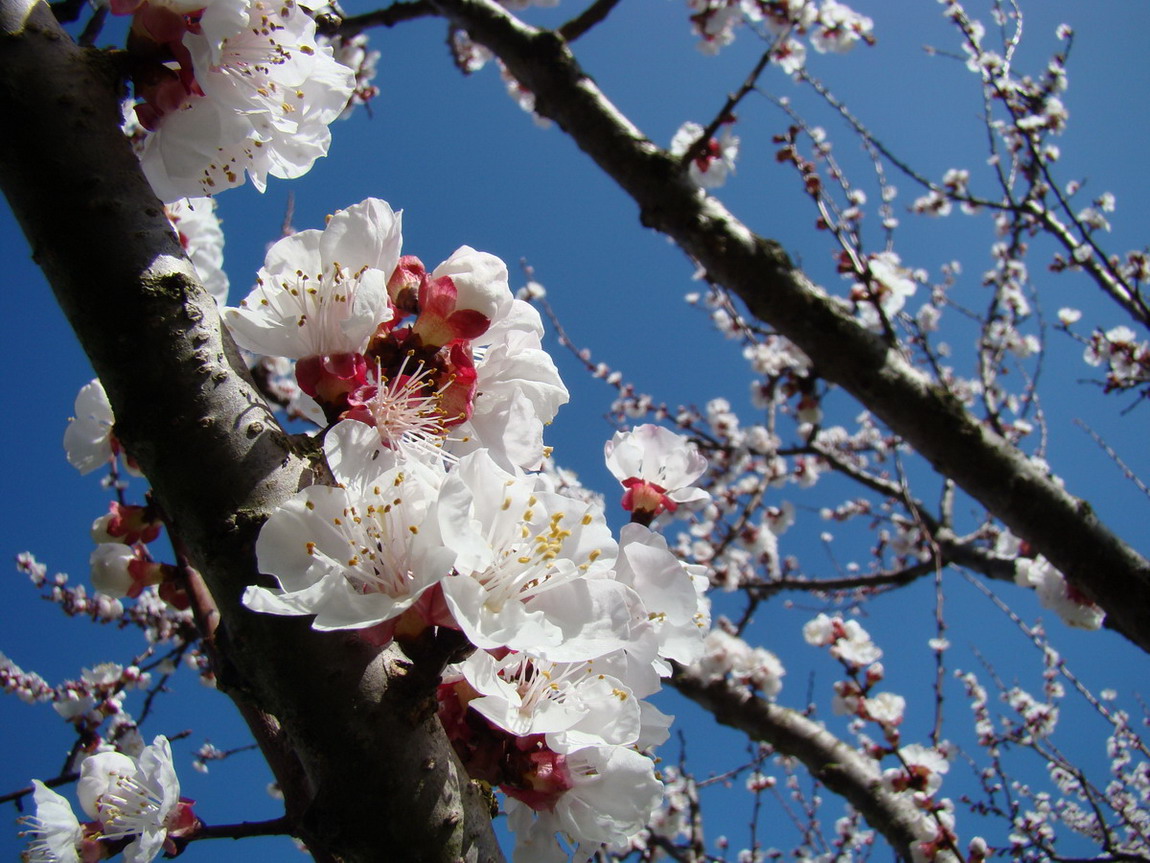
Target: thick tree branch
[(839, 767), (1059, 525), (380, 781)]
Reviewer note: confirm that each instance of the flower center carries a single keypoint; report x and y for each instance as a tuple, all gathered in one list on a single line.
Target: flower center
[(129, 808), (407, 410), (379, 543)]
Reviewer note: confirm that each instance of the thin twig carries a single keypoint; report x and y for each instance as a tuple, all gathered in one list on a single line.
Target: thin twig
[(282, 826), (389, 16), (594, 14), (93, 27), (727, 112), (1114, 457)]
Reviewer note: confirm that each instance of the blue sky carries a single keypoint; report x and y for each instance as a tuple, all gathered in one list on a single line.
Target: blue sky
[(467, 166)]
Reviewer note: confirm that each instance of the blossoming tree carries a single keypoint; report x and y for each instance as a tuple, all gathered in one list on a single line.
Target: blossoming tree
[(422, 616)]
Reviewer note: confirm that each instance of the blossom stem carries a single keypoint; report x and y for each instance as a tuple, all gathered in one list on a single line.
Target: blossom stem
[(20, 793), (282, 826)]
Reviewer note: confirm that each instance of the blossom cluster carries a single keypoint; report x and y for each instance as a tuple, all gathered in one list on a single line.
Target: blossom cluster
[(1053, 590), (829, 25), (98, 695), (121, 563), (1101, 811), (1126, 358), (435, 389), (432, 389), (918, 772), (161, 623), (128, 789), (748, 669), (412, 379), (228, 89), (1036, 106), (134, 807), (714, 161)]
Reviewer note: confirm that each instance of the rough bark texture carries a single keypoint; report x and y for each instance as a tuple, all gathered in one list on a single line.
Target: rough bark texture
[(1055, 523), (376, 777)]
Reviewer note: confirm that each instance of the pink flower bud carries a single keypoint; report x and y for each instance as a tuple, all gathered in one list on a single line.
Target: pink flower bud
[(406, 283), (127, 524), (480, 281), (120, 570)]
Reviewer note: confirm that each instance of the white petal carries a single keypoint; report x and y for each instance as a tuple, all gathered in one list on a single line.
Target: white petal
[(87, 439), (615, 793), (368, 234), (357, 456), (57, 826), (97, 774), (481, 280)]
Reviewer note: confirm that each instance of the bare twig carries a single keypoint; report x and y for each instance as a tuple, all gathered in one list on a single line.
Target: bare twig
[(829, 760), (1127, 471), (594, 14), (389, 16)]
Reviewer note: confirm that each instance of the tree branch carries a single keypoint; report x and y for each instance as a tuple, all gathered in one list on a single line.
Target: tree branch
[(594, 14), (835, 764), (275, 827), (951, 551), (1059, 525), (380, 779), (389, 16)]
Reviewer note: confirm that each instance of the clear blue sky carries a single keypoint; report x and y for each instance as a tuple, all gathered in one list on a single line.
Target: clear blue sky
[(467, 166)]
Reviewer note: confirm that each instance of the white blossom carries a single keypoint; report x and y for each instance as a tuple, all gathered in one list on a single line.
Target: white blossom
[(572, 703), (269, 92), (353, 556), (55, 832), (88, 439), (839, 27), (1057, 594), (889, 287), (672, 592), (532, 567), (480, 279), (132, 797), (612, 796), (923, 772), (519, 390), (110, 562), (657, 467), (886, 708), (198, 230), (322, 292), (714, 161)]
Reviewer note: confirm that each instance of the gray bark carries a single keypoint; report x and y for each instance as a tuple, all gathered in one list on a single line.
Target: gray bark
[(350, 730)]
